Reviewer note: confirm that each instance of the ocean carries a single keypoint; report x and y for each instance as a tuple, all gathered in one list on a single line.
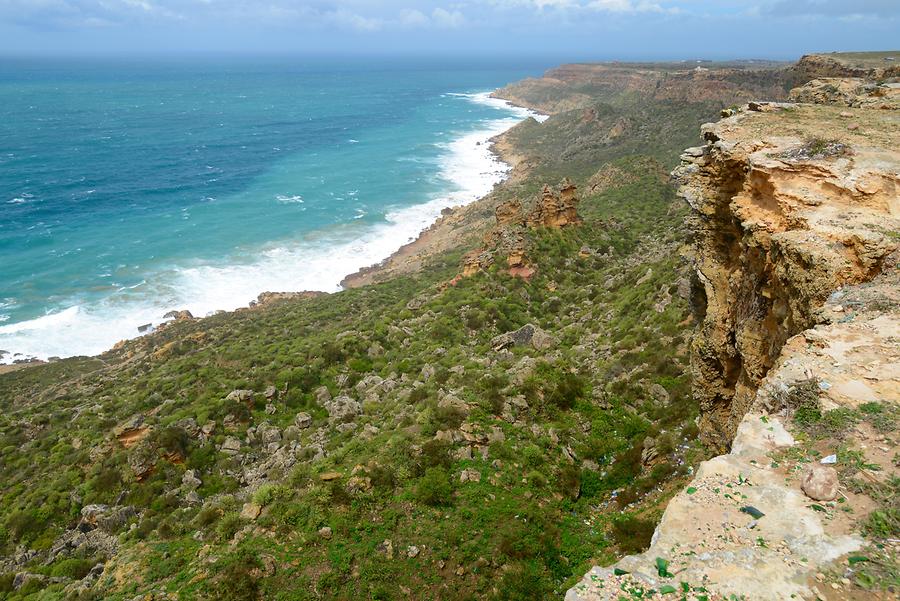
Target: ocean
[(129, 189)]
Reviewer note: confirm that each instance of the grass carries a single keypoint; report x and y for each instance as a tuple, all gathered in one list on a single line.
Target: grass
[(531, 525)]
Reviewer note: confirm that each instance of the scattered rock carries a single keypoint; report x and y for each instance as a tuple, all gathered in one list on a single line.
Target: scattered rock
[(241, 396), (343, 408), (820, 483), (528, 334), (251, 511), (231, 446), (412, 551), (325, 532), (303, 420), (359, 484), (191, 480), (386, 548), (470, 475)]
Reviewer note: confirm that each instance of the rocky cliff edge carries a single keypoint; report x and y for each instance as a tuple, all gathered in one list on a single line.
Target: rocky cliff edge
[(796, 220)]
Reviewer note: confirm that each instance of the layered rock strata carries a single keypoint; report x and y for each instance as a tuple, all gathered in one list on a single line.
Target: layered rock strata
[(796, 221)]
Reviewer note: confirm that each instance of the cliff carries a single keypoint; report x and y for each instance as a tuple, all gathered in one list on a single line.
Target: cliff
[(576, 86), (795, 220)]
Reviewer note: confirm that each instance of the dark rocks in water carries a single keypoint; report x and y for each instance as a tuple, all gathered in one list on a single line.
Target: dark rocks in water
[(145, 328)]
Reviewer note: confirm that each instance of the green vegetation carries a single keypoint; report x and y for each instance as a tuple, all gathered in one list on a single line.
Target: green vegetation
[(877, 567), (371, 504)]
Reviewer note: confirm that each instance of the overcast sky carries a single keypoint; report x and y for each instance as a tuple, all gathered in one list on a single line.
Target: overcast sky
[(566, 29)]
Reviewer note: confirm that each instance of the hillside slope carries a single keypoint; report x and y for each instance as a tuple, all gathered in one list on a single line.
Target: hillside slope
[(485, 415)]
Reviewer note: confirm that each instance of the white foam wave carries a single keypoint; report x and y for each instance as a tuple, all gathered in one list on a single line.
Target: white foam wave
[(293, 199), (317, 262)]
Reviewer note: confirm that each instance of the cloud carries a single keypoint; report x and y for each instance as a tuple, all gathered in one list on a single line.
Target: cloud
[(447, 18), (836, 8), (356, 15), (600, 6)]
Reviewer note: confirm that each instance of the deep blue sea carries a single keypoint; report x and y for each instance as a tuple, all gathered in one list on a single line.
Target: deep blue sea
[(132, 188)]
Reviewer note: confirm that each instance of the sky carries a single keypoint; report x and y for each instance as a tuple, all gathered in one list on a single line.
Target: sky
[(548, 29)]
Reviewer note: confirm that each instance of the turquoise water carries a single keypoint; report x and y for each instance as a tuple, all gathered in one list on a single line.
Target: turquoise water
[(131, 189)]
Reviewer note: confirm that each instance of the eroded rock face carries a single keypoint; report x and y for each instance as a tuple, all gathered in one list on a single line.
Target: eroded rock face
[(554, 208), (852, 92), (797, 282), (780, 221)]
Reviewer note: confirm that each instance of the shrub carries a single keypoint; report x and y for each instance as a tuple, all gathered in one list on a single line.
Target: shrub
[(525, 581), (569, 482), (434, 487), (6, 583), (632, 534), (435, 453), (235, 579), (591, 484), (536, 479), (76, 569), (228, 526), (207, 517)]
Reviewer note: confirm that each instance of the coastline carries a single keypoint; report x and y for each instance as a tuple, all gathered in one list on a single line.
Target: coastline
[(449, 229), (481, 159)]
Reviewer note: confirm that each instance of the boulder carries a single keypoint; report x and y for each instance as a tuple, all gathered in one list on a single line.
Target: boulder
[(106, 518), (142, 459), (179, 315), (250, 511), (325, 532), (323, 395), (241, 396), (271, 393), (191, 480), (368, 383), (528, 334), (820, 482), (189, 425), (343, 408), (231, 445), (470, 475), (268, 434), (303, 420)]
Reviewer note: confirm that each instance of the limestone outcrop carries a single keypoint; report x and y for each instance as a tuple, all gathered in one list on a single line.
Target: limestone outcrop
[(790, 203), (554, 208), (852, 92), (874, 65), (796, 214)]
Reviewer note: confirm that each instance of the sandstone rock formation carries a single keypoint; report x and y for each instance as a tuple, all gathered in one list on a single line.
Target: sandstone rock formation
[(796, 218), (577, 86), (789, 205), (852, 92), (874, 66), (554, 208)]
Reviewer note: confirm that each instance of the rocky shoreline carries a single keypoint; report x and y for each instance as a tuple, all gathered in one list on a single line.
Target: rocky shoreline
[(444, 232)]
